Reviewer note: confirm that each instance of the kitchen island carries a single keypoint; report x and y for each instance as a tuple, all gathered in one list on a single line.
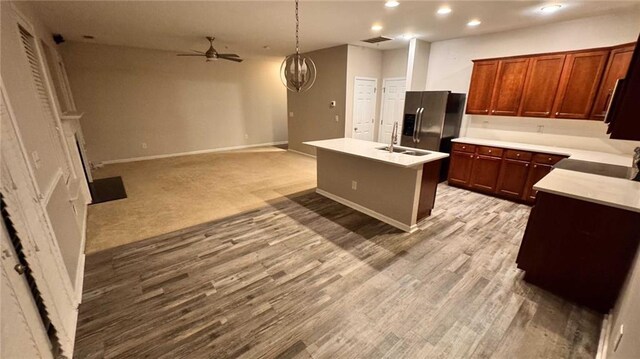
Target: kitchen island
[(398, 188)]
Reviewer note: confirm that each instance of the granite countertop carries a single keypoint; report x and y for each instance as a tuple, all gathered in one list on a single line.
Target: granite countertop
[(574, 154), (610, 191), (370, 150)]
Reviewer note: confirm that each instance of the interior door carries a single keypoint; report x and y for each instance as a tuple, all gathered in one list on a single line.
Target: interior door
[(364, 108), (392, 108)]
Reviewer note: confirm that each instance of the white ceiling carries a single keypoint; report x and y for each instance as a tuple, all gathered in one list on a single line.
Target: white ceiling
[(245, 27)]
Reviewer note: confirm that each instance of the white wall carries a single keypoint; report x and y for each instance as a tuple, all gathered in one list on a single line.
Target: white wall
[(173, 104), (362, 62), (450, 69), (417, 64), (394, 63)]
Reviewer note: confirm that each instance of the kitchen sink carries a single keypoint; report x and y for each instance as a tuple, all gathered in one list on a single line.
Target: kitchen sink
[(406, 151)]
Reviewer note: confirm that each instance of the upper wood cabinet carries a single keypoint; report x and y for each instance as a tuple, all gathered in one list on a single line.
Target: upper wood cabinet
[(481, 88), (571, 85), (617, 67), (622, 115), (579, 84), (541, 86), (507, 91)]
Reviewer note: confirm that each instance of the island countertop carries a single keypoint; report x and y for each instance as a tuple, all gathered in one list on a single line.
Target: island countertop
[(371, 150)]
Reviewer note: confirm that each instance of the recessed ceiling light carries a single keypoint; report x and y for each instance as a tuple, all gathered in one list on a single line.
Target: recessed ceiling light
[(474, 22), (444, 10), (376, 27), (391, 3), (551, 8)]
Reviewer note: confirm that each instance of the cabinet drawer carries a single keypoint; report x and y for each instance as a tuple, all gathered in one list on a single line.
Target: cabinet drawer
[(490, 151), (546, 159), (463, 147), (518, 155)]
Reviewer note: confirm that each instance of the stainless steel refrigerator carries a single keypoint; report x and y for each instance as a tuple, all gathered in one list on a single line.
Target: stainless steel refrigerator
[(431, 120)]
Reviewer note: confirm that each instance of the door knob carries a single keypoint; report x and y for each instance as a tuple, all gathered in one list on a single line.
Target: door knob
[(19, 268)]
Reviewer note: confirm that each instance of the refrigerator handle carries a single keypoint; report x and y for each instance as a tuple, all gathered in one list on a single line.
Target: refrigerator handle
[(419, 125), (415, 124)]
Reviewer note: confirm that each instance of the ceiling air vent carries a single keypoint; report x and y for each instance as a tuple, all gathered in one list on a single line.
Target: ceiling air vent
[(375, 40)]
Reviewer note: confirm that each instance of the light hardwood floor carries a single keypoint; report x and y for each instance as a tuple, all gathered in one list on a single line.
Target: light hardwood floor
[(306, 277), (168, 194)]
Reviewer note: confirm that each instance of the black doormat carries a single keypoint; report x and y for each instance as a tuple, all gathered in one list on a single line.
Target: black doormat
[(107, 189)]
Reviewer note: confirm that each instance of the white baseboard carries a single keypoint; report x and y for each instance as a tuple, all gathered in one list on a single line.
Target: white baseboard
[(369, 212), (302, 153), (178, 154)]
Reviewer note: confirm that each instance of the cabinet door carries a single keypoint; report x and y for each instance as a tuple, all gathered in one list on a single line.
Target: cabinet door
[(481, 88), (536, 173), (617, 67), (484, 174), (513, 178), (579, 83), (541, 85), (460, 168), (507, 91)]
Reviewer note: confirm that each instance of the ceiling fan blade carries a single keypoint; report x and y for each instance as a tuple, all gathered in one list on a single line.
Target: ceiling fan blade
[(191, 55), (230, 58), (229, 55)]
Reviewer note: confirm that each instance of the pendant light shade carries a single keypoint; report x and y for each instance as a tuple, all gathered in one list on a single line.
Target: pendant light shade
[(298, 72)]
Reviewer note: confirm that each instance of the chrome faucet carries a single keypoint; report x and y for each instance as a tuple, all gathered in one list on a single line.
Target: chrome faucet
[(394, 136)]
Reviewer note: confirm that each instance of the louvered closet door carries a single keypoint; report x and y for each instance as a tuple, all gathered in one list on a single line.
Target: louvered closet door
[(44, 98)]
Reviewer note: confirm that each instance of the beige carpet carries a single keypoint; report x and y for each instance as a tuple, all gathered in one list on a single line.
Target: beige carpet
[(168, 194)]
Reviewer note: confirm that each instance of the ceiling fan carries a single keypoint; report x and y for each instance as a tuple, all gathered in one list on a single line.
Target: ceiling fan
[(212, 54)]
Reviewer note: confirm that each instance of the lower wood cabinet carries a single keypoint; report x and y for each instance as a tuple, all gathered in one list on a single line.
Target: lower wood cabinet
[(536, 173), (461, 172), (485, 172), (513, 178), (503, 172)]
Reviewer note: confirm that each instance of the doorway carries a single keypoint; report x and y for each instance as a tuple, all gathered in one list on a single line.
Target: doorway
[(393, 91), (364, 108)]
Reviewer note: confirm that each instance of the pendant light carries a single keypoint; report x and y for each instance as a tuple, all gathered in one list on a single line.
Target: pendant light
[(298, 72)]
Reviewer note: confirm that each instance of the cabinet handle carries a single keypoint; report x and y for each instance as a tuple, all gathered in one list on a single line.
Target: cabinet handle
[(526, 165), (546, 113), (489, 151), (535, 166), (464, 147), (471, 156), (486, 111), (557, 113), (517, 155), (549, 159), (493, 111)]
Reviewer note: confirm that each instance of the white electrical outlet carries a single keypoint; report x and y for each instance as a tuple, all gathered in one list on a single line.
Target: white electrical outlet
[(246, 136), (291, 114), (354, 185), (144, 145), (618, 338), (337, 118)]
